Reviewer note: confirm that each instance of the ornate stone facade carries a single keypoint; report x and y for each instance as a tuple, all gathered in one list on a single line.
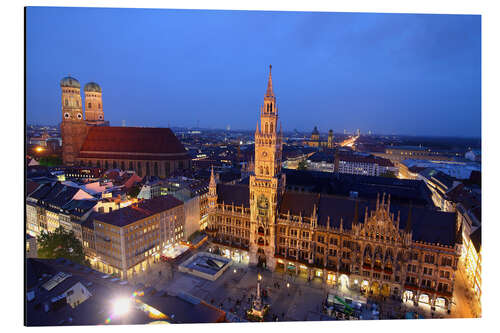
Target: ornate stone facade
[(327, 237)]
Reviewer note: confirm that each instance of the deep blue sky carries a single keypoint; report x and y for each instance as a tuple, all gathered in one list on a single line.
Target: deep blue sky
[(388, 73)]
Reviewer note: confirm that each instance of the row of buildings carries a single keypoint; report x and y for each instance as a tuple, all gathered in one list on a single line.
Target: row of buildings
[(120, 233), (348, 162)]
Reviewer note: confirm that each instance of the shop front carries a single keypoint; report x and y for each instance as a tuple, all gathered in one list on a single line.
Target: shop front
[(280, 266), (291, 268), (303, 271), (331, 278), (385, 290), (365, 286)]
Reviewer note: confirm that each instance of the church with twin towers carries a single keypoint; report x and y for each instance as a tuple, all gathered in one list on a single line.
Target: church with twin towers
[(89, 140)]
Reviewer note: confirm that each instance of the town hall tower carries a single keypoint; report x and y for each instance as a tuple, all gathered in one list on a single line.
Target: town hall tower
[(266, 183)]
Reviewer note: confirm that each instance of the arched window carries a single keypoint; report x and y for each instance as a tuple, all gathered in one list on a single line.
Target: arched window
[(123, 165), (90, 105), (66, 102), (139, 170), (271, 130), (106, 165), (99, 105), (261, 170), (266, 129), (267, 171), (156, 169), (98, 164), (271, 107), (267, 107), (114, 164), (147, 168)]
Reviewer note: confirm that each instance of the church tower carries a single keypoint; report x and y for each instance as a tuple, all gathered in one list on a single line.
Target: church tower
[(330, 139), (94, 113), (266, 183), (73, 126)]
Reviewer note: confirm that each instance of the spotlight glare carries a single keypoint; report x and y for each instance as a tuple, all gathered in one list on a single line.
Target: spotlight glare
[(121, 306)]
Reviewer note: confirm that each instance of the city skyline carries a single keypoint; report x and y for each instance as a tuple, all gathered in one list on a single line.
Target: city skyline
[(209, 78)]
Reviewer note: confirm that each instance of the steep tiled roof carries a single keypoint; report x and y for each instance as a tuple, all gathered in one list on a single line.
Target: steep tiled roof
[(135, 212), (31, 186), (427, 225), (132, 143), (233, 194)]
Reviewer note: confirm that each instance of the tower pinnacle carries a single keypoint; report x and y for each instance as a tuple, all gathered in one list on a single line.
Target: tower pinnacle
[(269, 92)]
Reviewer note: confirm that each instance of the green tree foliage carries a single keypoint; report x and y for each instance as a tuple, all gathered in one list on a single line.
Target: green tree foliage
[(60, 244), (50, 161), (388, 174), (302, 165), (134, 191)]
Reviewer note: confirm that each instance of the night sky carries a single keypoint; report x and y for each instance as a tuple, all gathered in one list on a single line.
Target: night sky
[(388, 73)]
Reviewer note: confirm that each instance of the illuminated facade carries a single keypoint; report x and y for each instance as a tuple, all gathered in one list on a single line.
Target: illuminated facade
[(472, 262), (345, 241), (315, 141), (128, 240), (91, 142), (94, 113), (469, 221)]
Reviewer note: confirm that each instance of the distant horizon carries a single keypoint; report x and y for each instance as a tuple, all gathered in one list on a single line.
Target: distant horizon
[(285, 130), (416, 74)]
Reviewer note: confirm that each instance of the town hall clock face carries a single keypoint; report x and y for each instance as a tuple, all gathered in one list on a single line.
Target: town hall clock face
[(264, 154)]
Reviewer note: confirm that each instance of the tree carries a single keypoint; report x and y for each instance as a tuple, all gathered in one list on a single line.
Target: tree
[(50, 161), (388, 174), (134, 191), (302, 165), (60, 244)]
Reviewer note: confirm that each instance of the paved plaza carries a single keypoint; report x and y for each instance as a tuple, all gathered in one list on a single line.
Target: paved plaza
[(291, 298)]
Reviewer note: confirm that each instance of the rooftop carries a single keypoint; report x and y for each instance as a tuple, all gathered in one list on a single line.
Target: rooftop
[(427, 225), (402, 191), (138, 211), (142, 142)]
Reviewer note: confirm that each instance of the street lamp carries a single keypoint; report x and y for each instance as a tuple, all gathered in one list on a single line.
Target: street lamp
[(121, 306), (288, 285)]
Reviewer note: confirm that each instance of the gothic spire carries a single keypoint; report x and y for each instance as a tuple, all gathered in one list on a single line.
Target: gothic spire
[(408, 220), (355, 219), (212, 178), (269, 92)]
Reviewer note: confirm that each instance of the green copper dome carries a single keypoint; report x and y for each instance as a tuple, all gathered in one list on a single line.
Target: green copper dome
[(92, 86), (69, 81)]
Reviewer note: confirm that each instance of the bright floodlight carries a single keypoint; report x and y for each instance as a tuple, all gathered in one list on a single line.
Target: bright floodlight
[(121, 306)]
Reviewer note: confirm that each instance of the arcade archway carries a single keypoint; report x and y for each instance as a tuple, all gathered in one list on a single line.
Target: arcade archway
[(261, 258)]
